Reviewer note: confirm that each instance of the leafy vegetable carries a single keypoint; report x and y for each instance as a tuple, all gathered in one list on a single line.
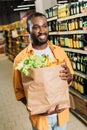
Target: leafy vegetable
[(29, 63), (35, 61)]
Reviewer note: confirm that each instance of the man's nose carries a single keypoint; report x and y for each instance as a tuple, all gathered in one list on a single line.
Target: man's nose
[(41, 30)]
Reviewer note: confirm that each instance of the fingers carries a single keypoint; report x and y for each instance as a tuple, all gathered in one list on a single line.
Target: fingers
[(65, 72), (64, 65), (59, 110), (56, 110)]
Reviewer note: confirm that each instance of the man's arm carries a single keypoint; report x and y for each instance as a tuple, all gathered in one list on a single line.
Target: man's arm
[(18, 86)]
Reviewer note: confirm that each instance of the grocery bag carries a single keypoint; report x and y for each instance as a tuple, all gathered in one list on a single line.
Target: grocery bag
[(44, 90)]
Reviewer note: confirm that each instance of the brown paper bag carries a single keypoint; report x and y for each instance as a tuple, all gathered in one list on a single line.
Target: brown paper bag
[(44, 89)]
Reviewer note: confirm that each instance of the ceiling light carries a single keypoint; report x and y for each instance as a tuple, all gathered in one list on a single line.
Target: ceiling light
[(59, 2), (26, 5), (17, 9), (27, 0)]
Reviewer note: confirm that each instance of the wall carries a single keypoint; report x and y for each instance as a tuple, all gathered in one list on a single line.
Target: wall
[(42, 5)]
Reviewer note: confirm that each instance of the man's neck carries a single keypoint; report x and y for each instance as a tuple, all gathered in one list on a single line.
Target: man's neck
[(40, 47)]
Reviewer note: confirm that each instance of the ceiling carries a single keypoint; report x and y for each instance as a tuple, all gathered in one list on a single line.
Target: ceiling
[(7, 6)]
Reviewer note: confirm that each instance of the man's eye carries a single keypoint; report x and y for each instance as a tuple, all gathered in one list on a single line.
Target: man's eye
[(35, 27), (45, 26)]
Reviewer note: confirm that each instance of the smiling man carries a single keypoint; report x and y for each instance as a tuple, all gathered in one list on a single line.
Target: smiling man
[(37, 27)]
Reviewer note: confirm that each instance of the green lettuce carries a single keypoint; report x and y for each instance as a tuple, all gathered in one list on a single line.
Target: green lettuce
[(29, 63)]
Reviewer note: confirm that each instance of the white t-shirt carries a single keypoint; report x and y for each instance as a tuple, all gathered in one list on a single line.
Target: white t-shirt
[(45, 51)]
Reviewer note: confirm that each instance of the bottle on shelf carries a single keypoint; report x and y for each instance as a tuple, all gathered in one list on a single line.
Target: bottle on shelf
[(57, 26), (71, 9), (49, 25), (82, 65), (81, 6), (78, 7), (53, 25), (74, 61), (63, 26), (61, 41), (47, 13), (83, 40), (55, 10), (81, 43), (54, 40), (76, 82), (79, 84), (74, 8), (70, 41), (71, 24), (83, 86), (50, 12), (85, 23), (80, 23), (78, 62), (85, 64), (74, 41), (51, 38), (76, 22)]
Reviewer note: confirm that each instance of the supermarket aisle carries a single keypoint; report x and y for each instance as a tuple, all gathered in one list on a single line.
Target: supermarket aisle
[(13, 114)]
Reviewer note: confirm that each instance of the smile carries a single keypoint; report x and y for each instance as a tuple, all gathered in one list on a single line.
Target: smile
[(42, 36)]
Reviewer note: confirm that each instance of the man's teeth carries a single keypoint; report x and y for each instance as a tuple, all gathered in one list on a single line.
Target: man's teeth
[(42, 36)]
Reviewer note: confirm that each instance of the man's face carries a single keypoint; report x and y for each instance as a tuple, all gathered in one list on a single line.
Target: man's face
[(39, 30)]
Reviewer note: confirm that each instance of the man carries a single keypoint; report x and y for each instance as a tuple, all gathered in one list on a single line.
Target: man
[(38, 29)]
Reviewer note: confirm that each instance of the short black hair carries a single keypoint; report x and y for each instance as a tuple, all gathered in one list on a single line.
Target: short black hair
[(33, 15)]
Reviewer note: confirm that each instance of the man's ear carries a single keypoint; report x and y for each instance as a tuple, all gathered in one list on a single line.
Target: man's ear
[(28, 30)]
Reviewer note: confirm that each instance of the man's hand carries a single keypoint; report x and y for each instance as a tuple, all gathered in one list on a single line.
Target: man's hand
[(56, 110), (65, 73)]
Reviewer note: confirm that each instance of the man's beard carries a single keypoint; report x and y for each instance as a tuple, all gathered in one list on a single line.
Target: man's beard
[(35, 40)]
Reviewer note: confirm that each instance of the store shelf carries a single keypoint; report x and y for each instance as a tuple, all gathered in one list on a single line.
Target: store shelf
[(2, 45), (76, 111), (76, 93), (72, 17), (23, 35), (51, 19), (68, 32), (72, 32), (18, 38), (23, 45), (67, 18), (53, 33), (82, 117), (80, 74), (80, 100), (75, 50)]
